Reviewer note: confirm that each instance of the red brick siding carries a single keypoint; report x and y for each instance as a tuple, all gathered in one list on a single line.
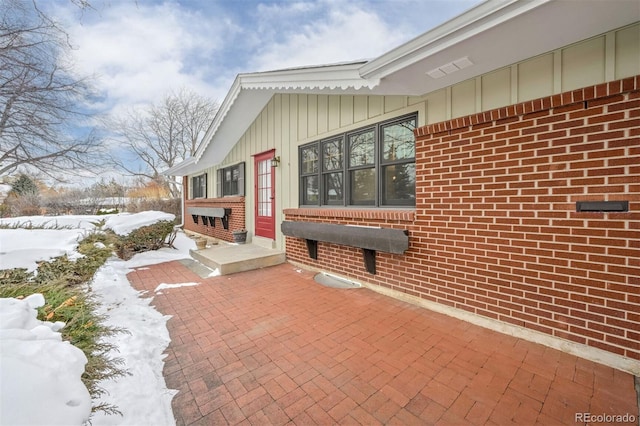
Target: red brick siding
[(236, 219), (495, 230)]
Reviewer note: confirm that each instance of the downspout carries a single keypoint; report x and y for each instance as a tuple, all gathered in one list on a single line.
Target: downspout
[(182, 197), (181, 185)]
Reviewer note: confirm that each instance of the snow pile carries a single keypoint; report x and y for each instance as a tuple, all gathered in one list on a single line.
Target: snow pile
[(164, 286), (24, 248), (53, 222), (124, 223), (40, 374), (143, 398)]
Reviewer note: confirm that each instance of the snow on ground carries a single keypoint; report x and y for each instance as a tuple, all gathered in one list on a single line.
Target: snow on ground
[(163, 286), (123, 224), (44, 389), (52, 222), (24, 248), (143, 397)]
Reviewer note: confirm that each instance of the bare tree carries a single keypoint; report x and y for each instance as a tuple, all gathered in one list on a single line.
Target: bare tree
[(162, 135), (40, 100)]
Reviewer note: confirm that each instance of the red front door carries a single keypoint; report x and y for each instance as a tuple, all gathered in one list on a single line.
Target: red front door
[(265, 195)]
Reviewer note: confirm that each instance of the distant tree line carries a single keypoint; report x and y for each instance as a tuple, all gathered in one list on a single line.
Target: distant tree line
[(28, 197)]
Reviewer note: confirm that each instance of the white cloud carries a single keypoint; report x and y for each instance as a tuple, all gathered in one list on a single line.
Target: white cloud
[(346, 33), (140, 52), (303, 33)]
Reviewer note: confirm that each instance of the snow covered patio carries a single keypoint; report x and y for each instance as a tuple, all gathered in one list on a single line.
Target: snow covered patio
[(272, 346)]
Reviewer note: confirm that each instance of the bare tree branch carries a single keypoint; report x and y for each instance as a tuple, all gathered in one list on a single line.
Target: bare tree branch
[(162, 135), (40, 100)]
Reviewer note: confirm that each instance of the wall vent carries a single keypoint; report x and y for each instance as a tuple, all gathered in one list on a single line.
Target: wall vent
[(602, 206)]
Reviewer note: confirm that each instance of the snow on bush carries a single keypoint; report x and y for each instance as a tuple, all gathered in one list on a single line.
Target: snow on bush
[(44, 371), (124, 223)]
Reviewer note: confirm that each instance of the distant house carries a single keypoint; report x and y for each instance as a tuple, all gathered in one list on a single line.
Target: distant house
[(97, 205), (488, 169)]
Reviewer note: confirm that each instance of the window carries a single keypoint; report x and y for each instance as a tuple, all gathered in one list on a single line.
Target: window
[(332, 172), (309, 187), (372, 166), (231, 180), (199, 186)]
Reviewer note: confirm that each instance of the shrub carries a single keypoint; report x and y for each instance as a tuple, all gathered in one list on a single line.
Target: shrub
[(96, 248), (23, 205), (150, 237), (103, 212), (83, 327), (61, 281), (171, 205)]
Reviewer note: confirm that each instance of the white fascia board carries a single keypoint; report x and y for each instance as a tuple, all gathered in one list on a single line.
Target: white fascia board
[(341, 76), (475, 21), (249, 93), (181, 169), (247, 106), (219, 117)]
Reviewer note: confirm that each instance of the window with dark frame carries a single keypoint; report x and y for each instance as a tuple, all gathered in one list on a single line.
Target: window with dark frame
[(371, 166), (199, 186), (231, 180)]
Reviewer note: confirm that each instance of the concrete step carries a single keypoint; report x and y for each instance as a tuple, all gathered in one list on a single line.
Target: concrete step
[(232, 258)]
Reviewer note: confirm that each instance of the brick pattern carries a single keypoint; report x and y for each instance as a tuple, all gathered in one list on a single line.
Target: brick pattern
[(349, 260), (495, 229), (236, 219), (273, 347)]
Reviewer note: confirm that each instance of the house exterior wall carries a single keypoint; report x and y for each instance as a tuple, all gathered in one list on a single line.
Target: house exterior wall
[(608, 57), (501, 160), (290, 120), (236, 218), (495, 230)]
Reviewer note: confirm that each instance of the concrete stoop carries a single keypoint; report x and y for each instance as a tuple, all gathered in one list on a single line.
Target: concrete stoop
[(232, 258)]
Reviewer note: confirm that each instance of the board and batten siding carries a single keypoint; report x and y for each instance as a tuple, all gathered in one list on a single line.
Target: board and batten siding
[(290, 120)]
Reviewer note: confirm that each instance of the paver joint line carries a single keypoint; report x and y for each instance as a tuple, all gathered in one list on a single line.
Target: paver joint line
[(272, 346)]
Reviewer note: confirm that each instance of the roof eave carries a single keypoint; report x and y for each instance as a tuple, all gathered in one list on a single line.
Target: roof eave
[(260, 87), (181, 169), (476, 20)]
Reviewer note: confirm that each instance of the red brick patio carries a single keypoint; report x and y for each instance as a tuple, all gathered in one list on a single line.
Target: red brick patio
[(273, 347)]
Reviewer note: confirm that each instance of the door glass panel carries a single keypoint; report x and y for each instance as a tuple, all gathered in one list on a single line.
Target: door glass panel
[(264, 188)]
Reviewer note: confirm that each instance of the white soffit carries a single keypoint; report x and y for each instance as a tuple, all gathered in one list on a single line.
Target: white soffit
[(493, 35), (250, 93)]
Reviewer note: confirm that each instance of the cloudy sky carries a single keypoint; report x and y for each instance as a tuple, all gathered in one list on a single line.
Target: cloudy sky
[(140, 50)]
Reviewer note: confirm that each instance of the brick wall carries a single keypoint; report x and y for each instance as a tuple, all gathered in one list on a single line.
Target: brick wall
[(236, 219), (496, 231), (349, 260)]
